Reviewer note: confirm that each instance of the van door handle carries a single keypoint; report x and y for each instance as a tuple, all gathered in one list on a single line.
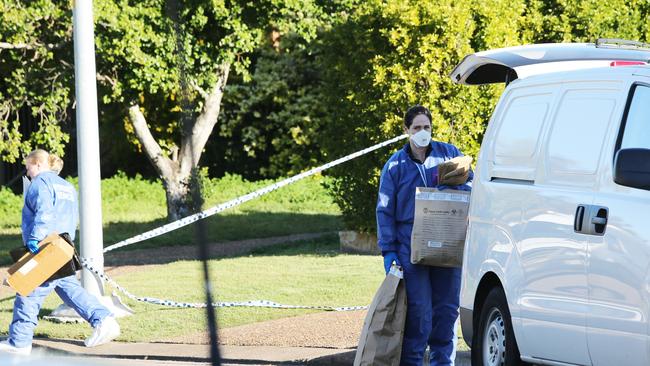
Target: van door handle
[(579, 218), (598, 220), (590, 220)]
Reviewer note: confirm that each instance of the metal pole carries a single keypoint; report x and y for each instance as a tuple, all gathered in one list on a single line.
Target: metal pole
[(90, 198)]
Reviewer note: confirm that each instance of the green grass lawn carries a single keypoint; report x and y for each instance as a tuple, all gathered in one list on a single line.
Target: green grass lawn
[(312, 273)]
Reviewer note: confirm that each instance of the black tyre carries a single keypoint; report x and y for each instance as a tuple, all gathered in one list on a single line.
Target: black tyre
[(494, 342)]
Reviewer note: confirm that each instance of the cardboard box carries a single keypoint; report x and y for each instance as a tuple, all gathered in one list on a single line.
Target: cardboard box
[(439, 227), (31, 270)]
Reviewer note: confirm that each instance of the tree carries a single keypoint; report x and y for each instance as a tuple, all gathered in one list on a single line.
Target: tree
[(35, 76), (171, 63), (168, 61), (270, 125), (584, 21)]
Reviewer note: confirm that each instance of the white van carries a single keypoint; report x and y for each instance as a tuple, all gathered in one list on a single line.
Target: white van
[(556, 268)]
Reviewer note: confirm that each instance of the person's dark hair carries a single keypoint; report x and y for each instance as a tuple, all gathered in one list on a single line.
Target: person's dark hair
[(414, 112)]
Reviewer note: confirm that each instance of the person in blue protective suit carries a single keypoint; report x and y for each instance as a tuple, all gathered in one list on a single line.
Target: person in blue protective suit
[(51, 206), (432, 292)]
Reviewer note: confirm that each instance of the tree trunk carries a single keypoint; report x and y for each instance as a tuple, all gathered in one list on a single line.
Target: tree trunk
[(177, 192), (175, 172)]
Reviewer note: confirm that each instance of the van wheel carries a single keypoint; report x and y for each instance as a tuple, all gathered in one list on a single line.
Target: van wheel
[(495, 343)]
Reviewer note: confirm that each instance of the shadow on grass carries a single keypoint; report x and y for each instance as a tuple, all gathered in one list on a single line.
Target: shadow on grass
[(320, 244), (221, 229), (249, 225), (326, 246)]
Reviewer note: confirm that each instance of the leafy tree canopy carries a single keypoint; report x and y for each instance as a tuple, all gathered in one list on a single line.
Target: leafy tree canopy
[(35, 75)]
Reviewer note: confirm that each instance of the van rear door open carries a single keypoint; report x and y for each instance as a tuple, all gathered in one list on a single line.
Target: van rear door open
[(503, 65)]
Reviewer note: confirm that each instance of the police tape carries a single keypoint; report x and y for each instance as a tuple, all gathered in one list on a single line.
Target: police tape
[(239, 200), (176, 304), (214, 210)]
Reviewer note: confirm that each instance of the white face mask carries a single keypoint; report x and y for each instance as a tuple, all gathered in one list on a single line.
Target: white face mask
[(422, 138)]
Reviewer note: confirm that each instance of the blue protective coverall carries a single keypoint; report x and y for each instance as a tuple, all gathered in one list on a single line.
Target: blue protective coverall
[(51, 206), (432, 292)]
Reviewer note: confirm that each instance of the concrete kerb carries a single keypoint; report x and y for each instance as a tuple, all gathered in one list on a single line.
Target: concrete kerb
[(232, 355)]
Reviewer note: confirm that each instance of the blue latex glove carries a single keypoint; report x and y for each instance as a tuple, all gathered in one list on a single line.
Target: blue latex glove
[(32, 245), (389, 258)]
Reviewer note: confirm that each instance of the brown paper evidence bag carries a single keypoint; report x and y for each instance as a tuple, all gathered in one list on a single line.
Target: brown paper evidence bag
[(380, 343)]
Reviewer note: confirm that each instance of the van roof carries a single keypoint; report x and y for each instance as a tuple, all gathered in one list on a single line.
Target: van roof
[(588, 73), (507, 64)]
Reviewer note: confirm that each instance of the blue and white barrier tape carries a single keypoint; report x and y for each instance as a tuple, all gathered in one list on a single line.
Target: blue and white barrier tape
[(245, 198), (214, 210)]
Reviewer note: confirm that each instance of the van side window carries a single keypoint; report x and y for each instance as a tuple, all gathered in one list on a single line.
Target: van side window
[(518, 136), (515, 146), (578, 132), (637, 125)]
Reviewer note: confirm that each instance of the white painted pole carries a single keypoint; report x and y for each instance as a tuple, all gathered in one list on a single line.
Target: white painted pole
[(90, 195)]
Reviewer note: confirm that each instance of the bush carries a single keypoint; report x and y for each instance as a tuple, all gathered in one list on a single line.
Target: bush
[(10, 208), (132, 199), (138, 200), (388, 56), (304, 196), (269, 126)]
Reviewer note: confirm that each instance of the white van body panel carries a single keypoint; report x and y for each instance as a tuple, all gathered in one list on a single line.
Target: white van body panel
[(554, 294), (619, 268), (549, 147)]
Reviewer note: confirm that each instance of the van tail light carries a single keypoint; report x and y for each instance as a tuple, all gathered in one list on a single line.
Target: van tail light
[(626, 63)]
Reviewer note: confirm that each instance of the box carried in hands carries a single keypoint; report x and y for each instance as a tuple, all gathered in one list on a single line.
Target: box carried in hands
[(31, 270), (439, 227)]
